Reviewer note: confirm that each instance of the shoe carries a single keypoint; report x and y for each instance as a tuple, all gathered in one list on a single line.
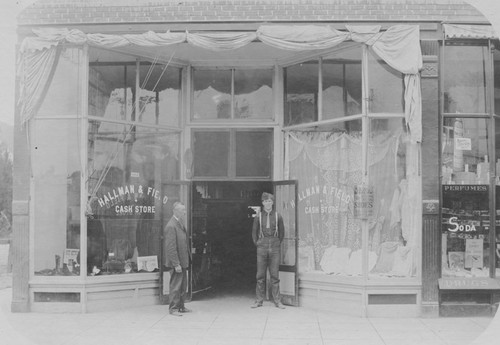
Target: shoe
[(184, 310), (175, 313), (256, 305), (280, 306)]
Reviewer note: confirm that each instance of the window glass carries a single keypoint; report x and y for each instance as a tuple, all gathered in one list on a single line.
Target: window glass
[(62, 97), (342, 84), (160, 95), (56, 176), (127, 167), (385, 85), (465, 189), (465, 158), (253, 94), (497, 195), (212, 94), (211, 153), (464, 79), (393, 238), (301, 93), (328, 167), (496, 78), (112, 90), (254, 153)]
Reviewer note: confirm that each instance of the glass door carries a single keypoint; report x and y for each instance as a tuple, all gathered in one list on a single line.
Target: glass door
[(286, 200), (173, 191)]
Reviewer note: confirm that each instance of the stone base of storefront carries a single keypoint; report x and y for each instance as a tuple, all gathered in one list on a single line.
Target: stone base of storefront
[(357, 297), (93, 294), (429, 309)]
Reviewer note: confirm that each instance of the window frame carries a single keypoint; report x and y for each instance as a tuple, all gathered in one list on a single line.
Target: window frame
[(231, 170), (232, 118)]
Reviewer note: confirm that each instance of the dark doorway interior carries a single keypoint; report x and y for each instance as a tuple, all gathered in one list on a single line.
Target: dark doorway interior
[(224, 260)]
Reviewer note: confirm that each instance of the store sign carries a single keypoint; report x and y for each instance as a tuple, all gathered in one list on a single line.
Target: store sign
[(363, 201), (338, 198), (468, 283), (464, 144), (120, 199), (457, 227)]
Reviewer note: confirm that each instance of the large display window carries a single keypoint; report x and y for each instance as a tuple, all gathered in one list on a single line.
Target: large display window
[(56, 177), (468, 165), (127, 168), (328, 166), (465, 209), (393, 236), (357, 169)]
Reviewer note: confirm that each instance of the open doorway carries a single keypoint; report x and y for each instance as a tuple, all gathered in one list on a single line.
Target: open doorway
[(224, 256)]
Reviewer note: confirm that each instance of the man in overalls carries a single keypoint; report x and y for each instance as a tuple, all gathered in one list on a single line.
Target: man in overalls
[(267, 233)]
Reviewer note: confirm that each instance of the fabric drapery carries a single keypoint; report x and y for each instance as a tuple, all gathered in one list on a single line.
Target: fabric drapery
[(399, 46), (35, 69), (469, 31), (220, 41), (306, 37)]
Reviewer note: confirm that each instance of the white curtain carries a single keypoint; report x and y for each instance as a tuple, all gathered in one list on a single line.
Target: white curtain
[(399, 46), (34, 69)]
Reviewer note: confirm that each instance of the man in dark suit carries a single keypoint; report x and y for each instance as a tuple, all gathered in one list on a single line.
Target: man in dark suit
[(176, 258)]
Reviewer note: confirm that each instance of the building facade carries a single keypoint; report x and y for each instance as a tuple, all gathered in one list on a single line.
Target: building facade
[(372, 122)]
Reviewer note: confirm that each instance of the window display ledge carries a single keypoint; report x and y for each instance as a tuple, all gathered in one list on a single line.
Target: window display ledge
[(92, 280), (321, 277)]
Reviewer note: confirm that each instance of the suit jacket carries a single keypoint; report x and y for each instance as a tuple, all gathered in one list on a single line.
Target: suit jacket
[(176, 249)]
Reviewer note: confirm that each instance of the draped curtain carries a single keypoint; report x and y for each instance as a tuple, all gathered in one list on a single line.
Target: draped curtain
[(399, 46)]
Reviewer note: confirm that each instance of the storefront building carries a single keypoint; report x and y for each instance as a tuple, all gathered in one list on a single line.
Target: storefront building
[(372, 122)]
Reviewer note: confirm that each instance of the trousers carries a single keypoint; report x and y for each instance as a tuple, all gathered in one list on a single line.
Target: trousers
[(268, 258), (177, 293)]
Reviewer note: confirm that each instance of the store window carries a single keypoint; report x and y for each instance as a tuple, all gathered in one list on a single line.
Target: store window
[(160, 94), (465, 198), (234, 153), (356, 168), (118, 90), (496, 94), (393, 236), (301, 93), (341, 85), (127, 170), (211, 153), (465, 79), (56, 176), (253, 153), (327, 166), (63, 93), (497, 195), (112, 91), (232, 94)]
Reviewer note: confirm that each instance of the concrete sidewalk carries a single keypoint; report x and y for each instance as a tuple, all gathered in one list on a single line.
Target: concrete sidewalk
[(230, 320)]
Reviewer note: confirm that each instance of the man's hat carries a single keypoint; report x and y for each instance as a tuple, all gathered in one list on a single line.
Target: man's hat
[(266, 196)]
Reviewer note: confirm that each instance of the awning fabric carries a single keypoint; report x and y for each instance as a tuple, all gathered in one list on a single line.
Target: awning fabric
[(399, 46), (469, 31)]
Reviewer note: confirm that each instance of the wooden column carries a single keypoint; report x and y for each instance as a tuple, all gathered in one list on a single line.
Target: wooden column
[(20, 218), (431, 231)]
